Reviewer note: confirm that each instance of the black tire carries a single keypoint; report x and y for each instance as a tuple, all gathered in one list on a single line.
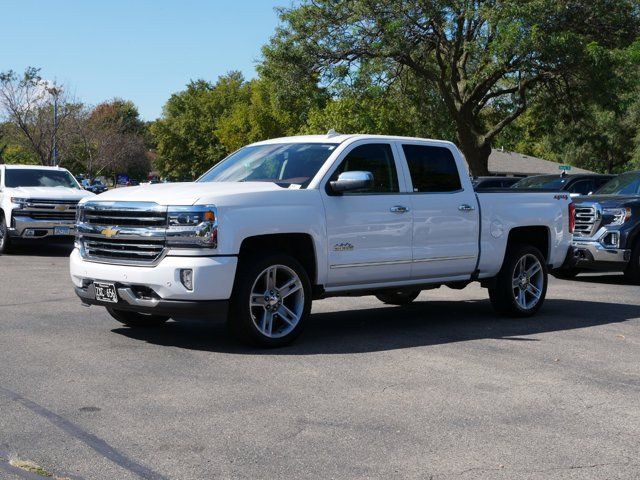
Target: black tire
[(632, 270), (243, 318), (400, 297), (5, 242), (502, 292), (566, 273), (137, 320)]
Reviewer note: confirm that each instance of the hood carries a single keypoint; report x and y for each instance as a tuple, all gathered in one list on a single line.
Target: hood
[(50, 193), (184, 193), (609, 200)]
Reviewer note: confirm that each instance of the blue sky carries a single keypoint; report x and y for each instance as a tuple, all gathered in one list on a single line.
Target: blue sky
[(139, 50)]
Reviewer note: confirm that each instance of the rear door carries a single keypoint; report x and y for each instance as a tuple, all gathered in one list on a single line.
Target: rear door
[(369, 232), (445, 212)]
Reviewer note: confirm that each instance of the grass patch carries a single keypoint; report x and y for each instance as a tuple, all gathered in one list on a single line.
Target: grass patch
[(34, 468)]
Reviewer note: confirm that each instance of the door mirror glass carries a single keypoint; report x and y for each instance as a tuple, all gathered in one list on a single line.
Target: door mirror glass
[(351, 181)]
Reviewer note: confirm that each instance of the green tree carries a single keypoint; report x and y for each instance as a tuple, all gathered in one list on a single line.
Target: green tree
[(486, 59), (600, 133)]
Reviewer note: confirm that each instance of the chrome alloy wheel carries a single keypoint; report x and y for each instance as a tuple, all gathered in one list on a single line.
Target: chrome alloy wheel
[(527, 281), (277, 301)]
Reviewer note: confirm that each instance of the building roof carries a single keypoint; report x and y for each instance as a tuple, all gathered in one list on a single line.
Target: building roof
[(511, 163)]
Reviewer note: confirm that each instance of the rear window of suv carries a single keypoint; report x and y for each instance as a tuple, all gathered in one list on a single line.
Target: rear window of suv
[(432, 169)]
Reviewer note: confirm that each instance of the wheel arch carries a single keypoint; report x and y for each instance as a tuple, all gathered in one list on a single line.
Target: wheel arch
[(298, 245), (537, 236)]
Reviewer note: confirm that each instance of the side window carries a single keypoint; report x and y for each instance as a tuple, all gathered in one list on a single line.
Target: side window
[(581, 187), (376, 158), (432, 169)]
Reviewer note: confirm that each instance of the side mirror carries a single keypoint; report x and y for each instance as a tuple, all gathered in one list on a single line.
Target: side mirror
[(350, 181)]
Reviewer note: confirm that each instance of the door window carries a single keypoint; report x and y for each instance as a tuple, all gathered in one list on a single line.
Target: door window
[(582, 187), (432, 169), (376, 158)]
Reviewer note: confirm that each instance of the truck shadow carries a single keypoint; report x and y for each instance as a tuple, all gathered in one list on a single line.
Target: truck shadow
[(32, 249), (390, 328), (605, 278)]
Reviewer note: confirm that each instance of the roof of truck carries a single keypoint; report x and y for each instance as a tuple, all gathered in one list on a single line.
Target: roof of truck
[(31, 167), (337, 138)]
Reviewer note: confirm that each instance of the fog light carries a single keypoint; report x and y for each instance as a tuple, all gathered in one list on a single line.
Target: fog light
[(186, 277), (29, 233), (611, 240)]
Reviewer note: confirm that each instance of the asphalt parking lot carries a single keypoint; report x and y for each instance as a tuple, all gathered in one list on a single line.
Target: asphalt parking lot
[(441, 389)]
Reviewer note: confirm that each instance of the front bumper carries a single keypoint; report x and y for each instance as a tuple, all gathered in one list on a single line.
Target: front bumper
[(158, 288), (27, 227), (130, 300), (589, 252)]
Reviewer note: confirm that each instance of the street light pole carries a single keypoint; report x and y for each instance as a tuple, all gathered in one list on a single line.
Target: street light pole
[(55, 91), (55, 129)]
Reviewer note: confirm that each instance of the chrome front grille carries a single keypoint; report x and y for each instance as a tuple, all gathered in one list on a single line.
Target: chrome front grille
[(587, 221), (130, 233), (123, 215), (46, 209), (147, 251)]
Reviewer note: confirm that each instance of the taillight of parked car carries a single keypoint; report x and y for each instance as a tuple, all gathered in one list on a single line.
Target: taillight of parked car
[(572, 217)]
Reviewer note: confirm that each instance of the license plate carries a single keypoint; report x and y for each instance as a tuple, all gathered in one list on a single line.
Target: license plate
[(106, 292), (62, 230)]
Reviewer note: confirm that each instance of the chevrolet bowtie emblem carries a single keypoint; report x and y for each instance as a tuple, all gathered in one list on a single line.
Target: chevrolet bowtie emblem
[(110, 232), (61, 208)]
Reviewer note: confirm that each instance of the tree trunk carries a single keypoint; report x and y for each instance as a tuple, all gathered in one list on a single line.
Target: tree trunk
[(476, 151)]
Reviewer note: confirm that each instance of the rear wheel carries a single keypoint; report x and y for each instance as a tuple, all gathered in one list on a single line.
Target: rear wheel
[(271, 300), (4, 236), (400, 297), (137, 320), (521, 284), (632, 271)]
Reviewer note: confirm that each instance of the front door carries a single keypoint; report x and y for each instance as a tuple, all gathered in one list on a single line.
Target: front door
[(369, 232)]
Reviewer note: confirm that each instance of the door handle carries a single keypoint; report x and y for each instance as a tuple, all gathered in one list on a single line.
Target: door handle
[(399, 209), (466, 208)]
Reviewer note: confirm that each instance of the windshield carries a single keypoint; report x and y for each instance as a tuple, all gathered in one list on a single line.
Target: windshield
[(545, 182), (283, 163), (624, 184), (32, 177)]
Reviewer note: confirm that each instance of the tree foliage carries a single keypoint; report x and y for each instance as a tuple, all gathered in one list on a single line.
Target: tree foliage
[(486, 59)]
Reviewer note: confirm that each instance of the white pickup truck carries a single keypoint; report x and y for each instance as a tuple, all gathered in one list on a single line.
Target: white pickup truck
[(37, 203), (281, 222)]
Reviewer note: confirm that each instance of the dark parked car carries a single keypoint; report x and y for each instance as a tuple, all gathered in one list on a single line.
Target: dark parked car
[(607, 229), (575, 184), (96, 187), (483, 183)]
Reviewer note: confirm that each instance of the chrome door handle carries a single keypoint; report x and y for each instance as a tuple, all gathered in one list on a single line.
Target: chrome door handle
[(466, 208), (399, 209)]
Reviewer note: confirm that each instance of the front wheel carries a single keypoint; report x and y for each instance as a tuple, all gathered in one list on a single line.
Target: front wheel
[(401, 297), (137, 320), (271, 300), (521, 284)]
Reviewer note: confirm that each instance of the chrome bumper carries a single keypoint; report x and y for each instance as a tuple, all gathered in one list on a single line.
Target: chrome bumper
[(589, 252), (41, 228)]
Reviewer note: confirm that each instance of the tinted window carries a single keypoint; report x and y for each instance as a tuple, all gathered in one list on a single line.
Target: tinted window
[(624, 184), (30, 177), (546, 182), (376, 158), (582, 187), (433, 169)]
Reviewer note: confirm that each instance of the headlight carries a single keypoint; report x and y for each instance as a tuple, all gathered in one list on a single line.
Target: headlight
[(19, 201), (616, 216), (192, 227)]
